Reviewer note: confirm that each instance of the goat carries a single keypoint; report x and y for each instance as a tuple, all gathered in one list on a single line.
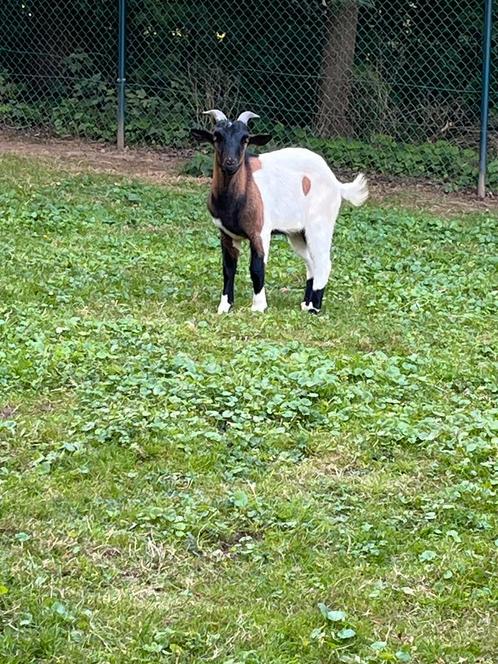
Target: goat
[(290, 191)]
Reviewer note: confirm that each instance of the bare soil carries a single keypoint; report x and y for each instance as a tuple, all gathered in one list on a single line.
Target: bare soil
[(163, 166)]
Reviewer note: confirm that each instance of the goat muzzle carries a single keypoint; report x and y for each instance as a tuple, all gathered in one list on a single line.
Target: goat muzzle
[(230, 166)]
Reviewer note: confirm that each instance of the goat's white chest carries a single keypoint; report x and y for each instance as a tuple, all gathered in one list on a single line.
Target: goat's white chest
[(218, 224)]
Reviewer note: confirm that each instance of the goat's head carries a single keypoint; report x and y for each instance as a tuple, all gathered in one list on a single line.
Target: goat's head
[(230, 139)]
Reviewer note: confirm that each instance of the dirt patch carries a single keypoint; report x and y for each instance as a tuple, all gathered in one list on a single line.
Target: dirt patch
[(163, 166), (82, 156), (428, 197), (7, 412)]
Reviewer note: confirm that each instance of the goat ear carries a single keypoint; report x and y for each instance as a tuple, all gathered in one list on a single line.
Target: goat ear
[(202, 135), (260, 139)]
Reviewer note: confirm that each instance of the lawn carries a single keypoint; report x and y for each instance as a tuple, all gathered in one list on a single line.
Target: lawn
[(280, 488)]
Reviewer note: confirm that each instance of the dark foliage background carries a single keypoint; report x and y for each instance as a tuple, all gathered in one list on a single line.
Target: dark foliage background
[(395, 71)]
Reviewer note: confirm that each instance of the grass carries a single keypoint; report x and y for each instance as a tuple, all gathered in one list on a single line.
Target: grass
[(182, 487)]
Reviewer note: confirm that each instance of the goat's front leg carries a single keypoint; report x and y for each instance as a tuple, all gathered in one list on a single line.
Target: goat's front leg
[(259, 256), (230, 253)]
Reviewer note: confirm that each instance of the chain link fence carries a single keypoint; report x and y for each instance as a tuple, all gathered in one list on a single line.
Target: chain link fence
[(58, 67), (390, 85)]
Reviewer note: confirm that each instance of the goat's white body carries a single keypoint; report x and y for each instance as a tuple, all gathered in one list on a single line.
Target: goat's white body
[(291, 207), (280, 181), (286, 206)]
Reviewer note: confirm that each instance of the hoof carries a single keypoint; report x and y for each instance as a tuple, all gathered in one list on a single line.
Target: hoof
[(224, 305), (259, 302), (306, 307), (313, 311)]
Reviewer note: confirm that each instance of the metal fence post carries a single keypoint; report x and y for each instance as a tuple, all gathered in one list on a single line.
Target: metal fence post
[(121, 73), (486, 58)]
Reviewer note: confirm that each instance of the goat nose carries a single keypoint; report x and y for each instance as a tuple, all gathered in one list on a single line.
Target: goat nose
[(230, 161)]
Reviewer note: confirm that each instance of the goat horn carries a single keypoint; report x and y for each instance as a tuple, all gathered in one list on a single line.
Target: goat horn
[(246, 116), (217, 115)]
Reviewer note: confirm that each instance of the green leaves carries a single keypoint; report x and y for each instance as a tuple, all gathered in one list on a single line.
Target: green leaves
[(22, 537), (153, 454), (454, 536), (240, 499), (378, 645), (329, 614), (337, 616), (200, 165), (427, 556)]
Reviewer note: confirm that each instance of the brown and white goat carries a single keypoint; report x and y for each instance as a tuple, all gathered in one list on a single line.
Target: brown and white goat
[(290, 191)]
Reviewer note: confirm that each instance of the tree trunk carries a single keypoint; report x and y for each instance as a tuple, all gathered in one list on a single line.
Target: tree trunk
[(333, 118)]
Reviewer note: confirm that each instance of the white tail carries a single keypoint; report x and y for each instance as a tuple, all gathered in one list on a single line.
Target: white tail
[(355, 192)]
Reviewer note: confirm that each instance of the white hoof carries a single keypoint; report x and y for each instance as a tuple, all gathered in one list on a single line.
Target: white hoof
[(259, 302), (306, 307), (224, 305)]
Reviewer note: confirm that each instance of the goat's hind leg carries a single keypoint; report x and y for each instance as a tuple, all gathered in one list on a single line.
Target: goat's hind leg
[(298, 243), (319, 241)]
